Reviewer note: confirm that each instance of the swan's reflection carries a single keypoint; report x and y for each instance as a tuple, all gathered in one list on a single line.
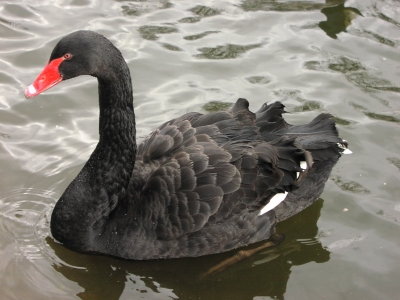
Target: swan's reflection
[(264, 274)]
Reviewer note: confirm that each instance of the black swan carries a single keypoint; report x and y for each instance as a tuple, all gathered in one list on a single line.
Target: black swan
[(198, 185)]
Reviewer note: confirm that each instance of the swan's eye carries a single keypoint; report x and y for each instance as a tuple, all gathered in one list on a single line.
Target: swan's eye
[(67, 56)]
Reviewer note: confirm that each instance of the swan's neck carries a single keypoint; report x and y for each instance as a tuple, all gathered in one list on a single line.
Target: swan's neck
[(114, 157), (85, 207)]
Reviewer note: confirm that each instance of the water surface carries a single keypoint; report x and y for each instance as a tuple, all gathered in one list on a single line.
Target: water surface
[(339, 57)]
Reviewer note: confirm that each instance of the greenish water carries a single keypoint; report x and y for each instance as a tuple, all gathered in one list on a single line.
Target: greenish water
[(314, 56)]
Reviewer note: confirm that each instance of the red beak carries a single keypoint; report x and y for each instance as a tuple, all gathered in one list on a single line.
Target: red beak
[(48, 78)]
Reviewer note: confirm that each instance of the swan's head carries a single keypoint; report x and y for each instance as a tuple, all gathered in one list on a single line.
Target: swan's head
[(79, 53)]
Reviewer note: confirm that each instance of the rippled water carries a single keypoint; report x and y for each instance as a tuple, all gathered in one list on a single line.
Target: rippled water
[(314, 56)]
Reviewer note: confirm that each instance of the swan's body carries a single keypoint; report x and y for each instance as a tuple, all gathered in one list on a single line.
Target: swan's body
[(199, 184)]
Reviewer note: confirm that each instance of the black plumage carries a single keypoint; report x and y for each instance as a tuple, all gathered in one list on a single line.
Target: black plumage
[(196, 185)]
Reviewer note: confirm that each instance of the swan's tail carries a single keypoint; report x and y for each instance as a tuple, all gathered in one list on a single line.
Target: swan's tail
[(319, 137)]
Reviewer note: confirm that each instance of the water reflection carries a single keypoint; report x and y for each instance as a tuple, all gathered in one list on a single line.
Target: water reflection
[(139, 8), (350, 186), (367, 79), (338, 16), (227, 51), (204, 11), (274, 5), (338, 19), (149, 32), (264, 274), (199, 36)]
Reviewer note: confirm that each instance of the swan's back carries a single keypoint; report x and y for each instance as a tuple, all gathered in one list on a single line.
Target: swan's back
[(201, 181)]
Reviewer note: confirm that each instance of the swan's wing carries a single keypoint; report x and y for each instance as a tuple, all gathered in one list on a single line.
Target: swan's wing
[(205, 169)]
